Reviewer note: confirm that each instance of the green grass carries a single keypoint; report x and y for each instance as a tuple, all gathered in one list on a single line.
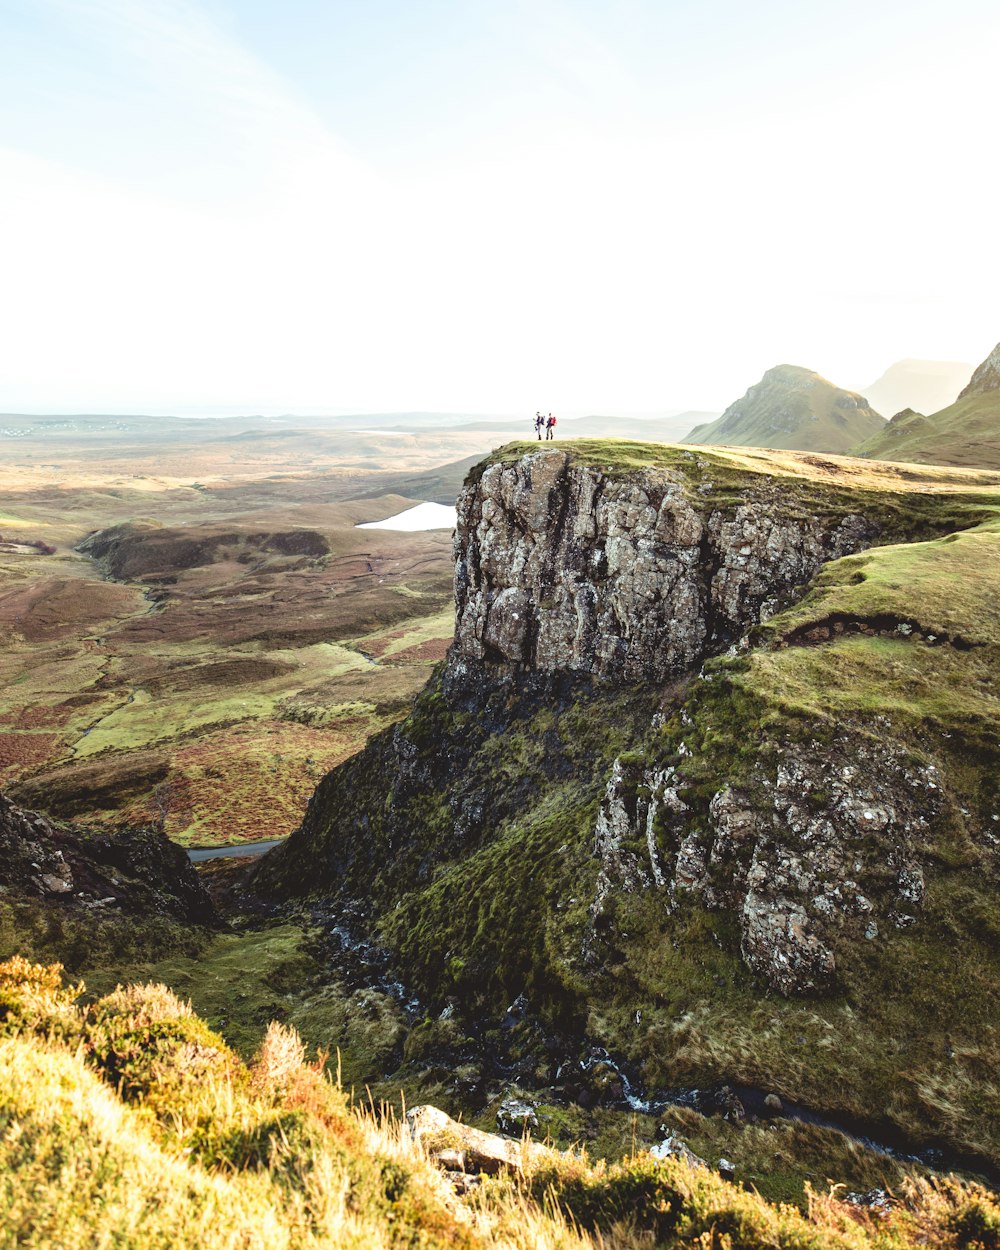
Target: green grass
[(950, 586), (911, 1034), (965, 433)]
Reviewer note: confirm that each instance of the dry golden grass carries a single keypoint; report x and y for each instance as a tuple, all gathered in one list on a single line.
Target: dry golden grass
[(182, 1154)]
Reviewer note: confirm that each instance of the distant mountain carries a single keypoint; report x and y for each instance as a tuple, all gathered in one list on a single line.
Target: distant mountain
[(923, 385), (966, 432), (796, 409)]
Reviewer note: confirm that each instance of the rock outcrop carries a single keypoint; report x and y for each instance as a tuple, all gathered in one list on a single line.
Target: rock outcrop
[(827, 841), (586, 592), (135, 872), (565, 567), (626, 827), (460, 1148)]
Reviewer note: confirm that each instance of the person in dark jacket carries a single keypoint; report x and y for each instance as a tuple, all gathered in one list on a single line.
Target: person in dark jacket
[(539, 425), (550, 428)]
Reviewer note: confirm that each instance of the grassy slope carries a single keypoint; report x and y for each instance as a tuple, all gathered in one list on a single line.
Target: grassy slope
[(805, 416), (915, 1033), (131, 1123), (965, 433)]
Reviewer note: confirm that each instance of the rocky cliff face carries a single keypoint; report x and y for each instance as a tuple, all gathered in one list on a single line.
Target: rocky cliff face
[(825, 843), (563, 567), (585, 594), (627, 817)]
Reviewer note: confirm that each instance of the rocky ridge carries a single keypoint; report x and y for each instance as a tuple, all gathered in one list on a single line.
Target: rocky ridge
[(986, 379)]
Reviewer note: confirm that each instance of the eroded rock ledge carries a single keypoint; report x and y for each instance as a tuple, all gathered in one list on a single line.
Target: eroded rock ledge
[(564, 566), (825, 843)]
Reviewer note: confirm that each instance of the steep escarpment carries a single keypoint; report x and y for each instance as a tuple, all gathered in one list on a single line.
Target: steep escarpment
[(564, 567), (666, 801), (582, 588)]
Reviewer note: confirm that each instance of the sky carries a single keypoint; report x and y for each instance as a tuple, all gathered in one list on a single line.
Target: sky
[(215, 206)]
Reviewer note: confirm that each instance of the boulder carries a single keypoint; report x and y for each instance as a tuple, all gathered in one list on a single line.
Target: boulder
[(461, 1148), (514, 1116), (673, 1148)]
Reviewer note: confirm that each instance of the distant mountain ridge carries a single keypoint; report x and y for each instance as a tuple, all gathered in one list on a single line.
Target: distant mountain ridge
[(793, 408), (965, 433), (923, 385)]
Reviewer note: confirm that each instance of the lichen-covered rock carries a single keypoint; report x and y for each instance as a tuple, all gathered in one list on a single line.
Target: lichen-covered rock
[(827, 843), (515, 1116), (562, 566), (625, 837)]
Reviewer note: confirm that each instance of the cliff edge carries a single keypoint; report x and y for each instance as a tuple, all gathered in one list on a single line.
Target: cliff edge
[(710, 768)]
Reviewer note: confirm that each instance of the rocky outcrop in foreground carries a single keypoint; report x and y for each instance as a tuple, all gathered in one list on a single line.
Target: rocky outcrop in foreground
[(135, 871)]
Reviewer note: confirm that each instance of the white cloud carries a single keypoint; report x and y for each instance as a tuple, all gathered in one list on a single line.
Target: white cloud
[(644, 264)]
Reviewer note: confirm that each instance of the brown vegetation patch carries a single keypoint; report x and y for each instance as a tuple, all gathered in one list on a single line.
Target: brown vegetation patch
[(89, 788), (247, 783), (22, 752), (235, 672), (377, 647), (63, 607), (135, 551), (433, 649), (37, 717)]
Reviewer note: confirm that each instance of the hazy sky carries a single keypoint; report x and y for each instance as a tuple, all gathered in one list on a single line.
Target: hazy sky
[(488, 205)]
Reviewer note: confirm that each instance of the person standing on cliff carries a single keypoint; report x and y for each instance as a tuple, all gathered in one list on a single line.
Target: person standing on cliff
[(550, 428), (539, 425)]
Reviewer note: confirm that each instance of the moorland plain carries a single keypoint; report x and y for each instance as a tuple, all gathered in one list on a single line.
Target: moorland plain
[(230, 635)]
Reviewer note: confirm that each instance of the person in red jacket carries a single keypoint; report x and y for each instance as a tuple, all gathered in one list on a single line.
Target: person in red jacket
[(550, 427)]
